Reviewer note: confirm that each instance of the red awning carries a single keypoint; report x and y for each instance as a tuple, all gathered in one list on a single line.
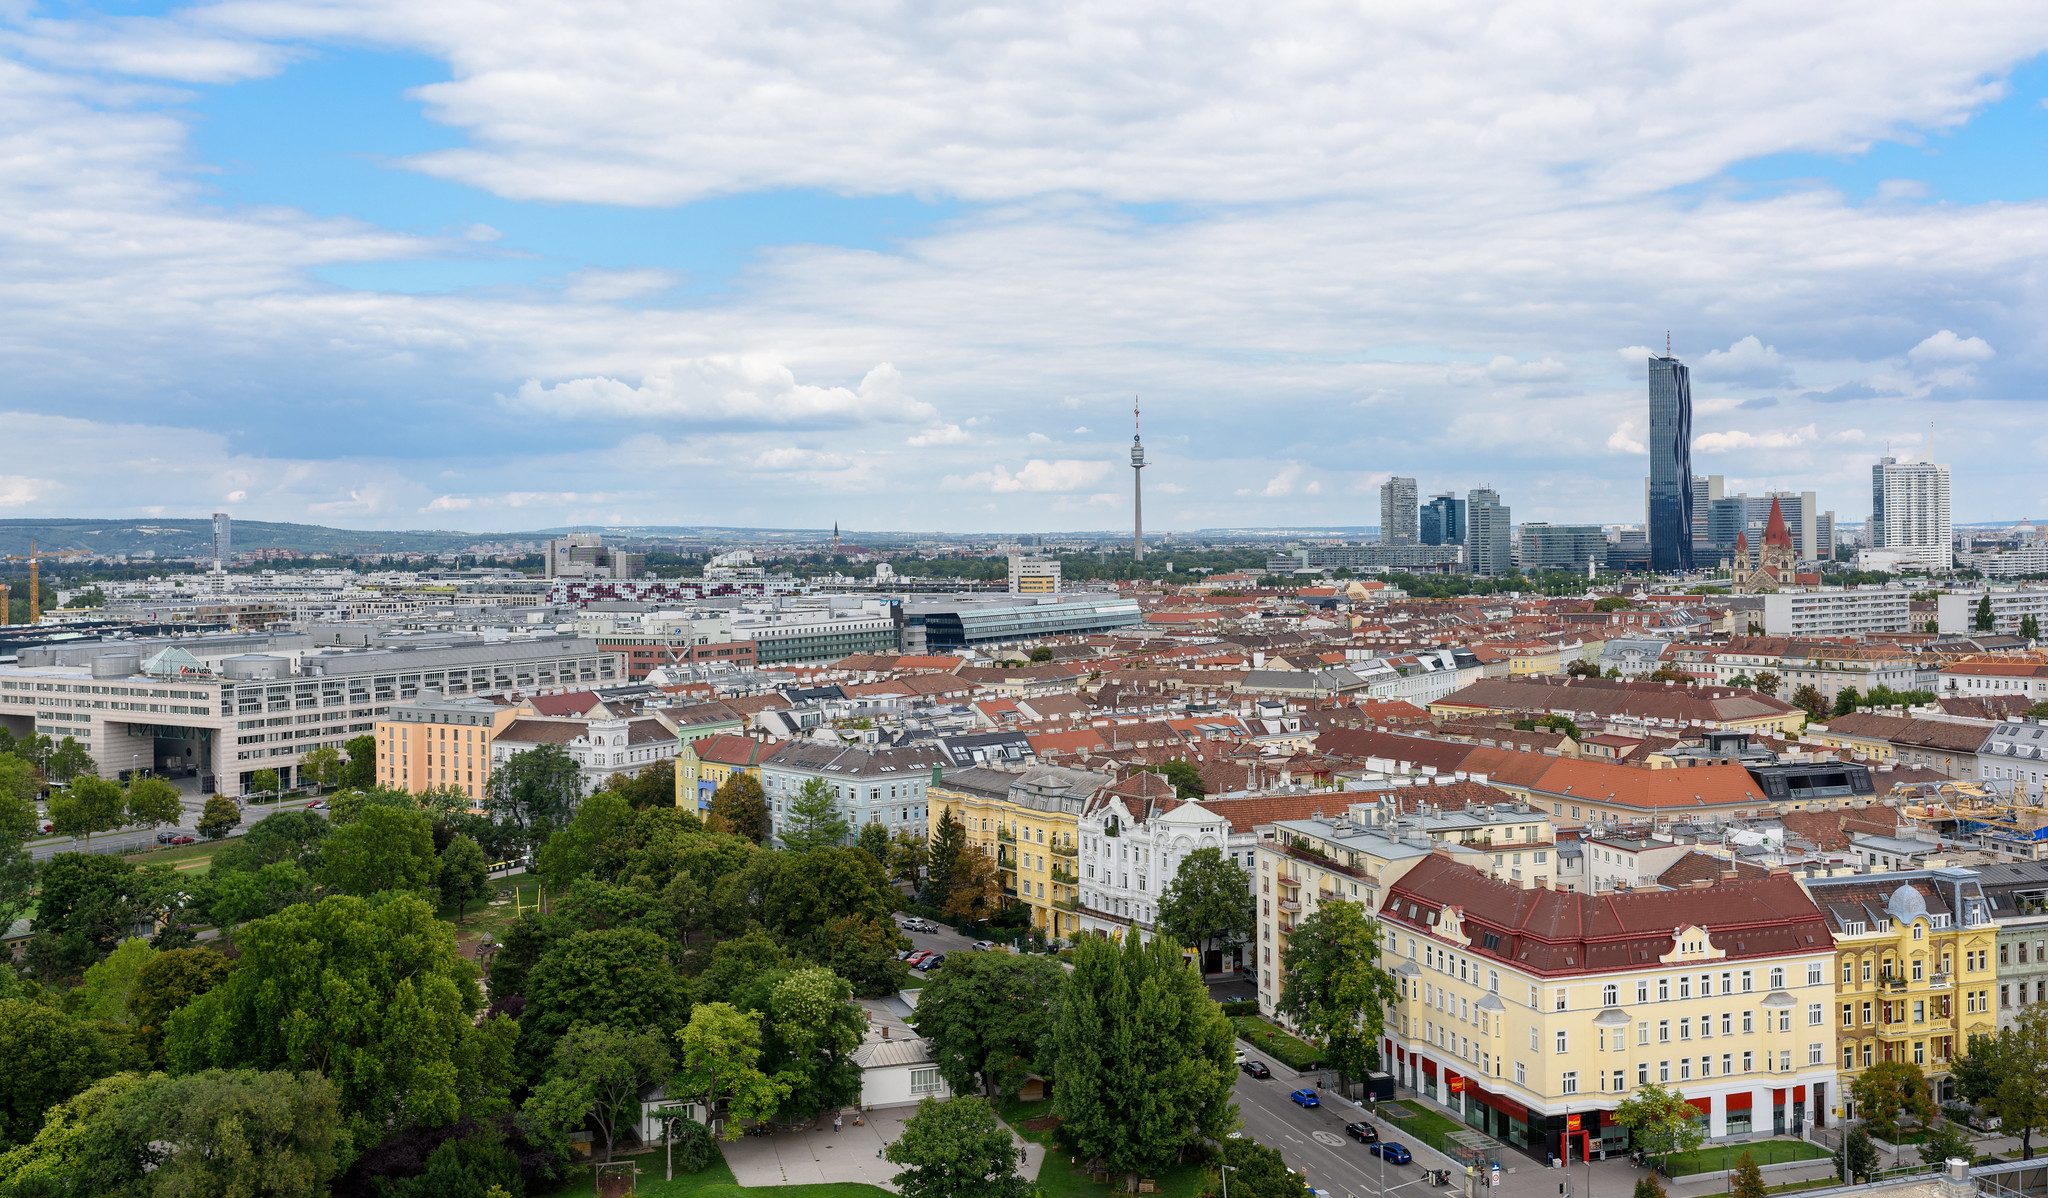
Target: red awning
[(1704, 1106), (1428, 1067), (1505, 1105), (1739, 1101), (1799, 1093), (1778, 1097)]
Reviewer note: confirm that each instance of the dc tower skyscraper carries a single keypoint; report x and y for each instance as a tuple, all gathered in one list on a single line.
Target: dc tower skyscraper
[(1137, 487), (1670, 464)]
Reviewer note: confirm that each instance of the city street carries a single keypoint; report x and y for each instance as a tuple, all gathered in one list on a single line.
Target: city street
[(135, 840)]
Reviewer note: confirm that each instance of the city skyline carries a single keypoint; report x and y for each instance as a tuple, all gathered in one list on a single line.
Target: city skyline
[(352, 266)]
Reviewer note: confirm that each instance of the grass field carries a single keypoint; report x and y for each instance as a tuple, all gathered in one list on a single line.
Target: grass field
[(1418, 1122), (1291, 1051), (1722, 1157), (188, 858), (715, 1182), (1059, 1177)]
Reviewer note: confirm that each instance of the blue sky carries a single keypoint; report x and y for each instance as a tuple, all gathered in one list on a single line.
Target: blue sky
[(384, 265)]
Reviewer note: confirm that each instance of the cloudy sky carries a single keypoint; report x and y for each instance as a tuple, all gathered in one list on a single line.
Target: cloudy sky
[(446, 263)]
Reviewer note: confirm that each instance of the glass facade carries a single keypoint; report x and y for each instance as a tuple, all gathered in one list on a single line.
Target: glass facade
[(1443, 521), (1671, 494)]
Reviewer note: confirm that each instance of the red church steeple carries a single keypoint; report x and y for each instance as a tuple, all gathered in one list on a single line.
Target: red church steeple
[(1775, 532)]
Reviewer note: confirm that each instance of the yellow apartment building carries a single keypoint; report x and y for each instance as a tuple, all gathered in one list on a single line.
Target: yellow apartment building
[(693, 724), (436, 741), (1533, 1014), (1027, 820), (1913, 973), (704, 763)]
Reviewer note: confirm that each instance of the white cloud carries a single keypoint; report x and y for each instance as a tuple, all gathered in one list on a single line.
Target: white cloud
[(1627, 439), (1037, 476), (1283, 483), (1748, 361), (749, 389), (1082, 430), (1038, 439), (610, 286), (939, 434), (1945, 347), (19, 490), (236, 496)]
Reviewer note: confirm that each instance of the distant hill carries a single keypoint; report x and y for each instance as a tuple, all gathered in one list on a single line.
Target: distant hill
[(187, 538)]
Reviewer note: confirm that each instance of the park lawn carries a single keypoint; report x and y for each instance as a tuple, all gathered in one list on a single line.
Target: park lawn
[(187, 858), (1292, 1051), (715, 1182), (1721, 1157), (1059, 1177)]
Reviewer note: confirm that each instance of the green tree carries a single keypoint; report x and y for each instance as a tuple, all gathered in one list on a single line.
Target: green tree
[(154, 801), (50, 1057), (1579, 667), (1889, 1090), (653, 785), (942, 859), (239, 1134), (1857, 1158), (2002, 1073), (1945, 1142), (1767, 682), (1333, 987), (384, 848), (462, 875), (49, 1164), (293, 836), (89, 904), (170, 980), (359, 772), (976, 894), (533, 794), (814, 821), (265, 782), (234, 897), (87, 806), (1847, 701), (1747, 1180), (1983, 621), (619, 976), (985, 1016), (322, 767), (103, 993), (874, 841), (1142, 1055), (68, 762), (907, 856), (1208, 902), (957, 1149), (18, 788), (1809, 699), (1659, 1120), (375, 997), (811, 1029), (2030, 628), (1256, 1171), (739, 807), (597, 1072), (1185, 776), (718, 1064), (221, 816), (595, 843), (1650, 1185)]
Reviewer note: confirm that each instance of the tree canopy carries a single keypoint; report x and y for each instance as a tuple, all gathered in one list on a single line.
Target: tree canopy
[(985, 1016), (1334, 988), (957, 1149), (814, 820), (1208, 901), (739, 807)]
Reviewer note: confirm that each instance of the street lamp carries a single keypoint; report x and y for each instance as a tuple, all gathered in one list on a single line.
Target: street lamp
[(1224, 1171)]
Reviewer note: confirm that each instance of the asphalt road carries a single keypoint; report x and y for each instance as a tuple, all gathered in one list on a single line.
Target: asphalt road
[(135, 840), (1314, 1143)]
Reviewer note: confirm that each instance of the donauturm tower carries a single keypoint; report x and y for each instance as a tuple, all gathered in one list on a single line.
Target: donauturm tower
[(1137, 487)]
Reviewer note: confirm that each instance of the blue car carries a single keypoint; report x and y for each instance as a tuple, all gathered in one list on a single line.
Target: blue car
[(1395, 1153), (1305, 1098)]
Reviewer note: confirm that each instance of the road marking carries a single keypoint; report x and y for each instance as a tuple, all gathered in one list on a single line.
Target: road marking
[(1323, 1137)]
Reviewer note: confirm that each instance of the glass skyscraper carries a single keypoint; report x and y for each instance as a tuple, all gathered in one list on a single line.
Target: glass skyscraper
[(1671, 494), (1443, 520)]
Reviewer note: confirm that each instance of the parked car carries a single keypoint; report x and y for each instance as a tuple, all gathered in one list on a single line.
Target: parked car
[(316, 804), (181, 838), (1305, 1098), (1364, 1133), (917, 957), (930, 963), (905, 954), (1255, 1068), (984, 946), (1394, 1152), (165, 837)]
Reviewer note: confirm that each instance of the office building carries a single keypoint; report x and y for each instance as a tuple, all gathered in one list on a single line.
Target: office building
[(223, 542), (1412, 558), (439, 743), (1837, 611), (1705, 490), (1034, 575), (1727, 519), (1561, 547), (1671, 481), (1824, 537), (945, 625), (1489, 544), (883, 786), (1909, 513), (224, 707), (1397, 511), (585, 555), (1443, 520)]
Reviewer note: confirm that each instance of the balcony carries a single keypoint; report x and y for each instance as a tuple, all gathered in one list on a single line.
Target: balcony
[(1900, 1031), (1064, 877), (1291, 906), (1067, 904), (1064, 849), (1940, 981), (1006, 836)]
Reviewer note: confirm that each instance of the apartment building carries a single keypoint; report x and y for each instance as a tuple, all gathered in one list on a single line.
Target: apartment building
[(2018, 894), (224, 707), (704, 763), (1956, 611), (1912, 969), (603, 744), (1028, 821), (1534, 1013), (436, 742), (1980, 676), (1836, 611), (880, 786), (1829, 668)]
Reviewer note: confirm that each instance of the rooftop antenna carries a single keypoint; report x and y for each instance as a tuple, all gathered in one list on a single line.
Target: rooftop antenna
[(1667, 343)]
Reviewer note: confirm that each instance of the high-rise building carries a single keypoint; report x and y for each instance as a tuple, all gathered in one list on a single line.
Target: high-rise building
[(1727, 519), (223, 541), (1034, 575), (1671, 482), (1824, 537), (1561, 546), (1489, 545), (1137, 488), (1443, 520), (1705, 490), (1909, 513), (1397, 511)]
